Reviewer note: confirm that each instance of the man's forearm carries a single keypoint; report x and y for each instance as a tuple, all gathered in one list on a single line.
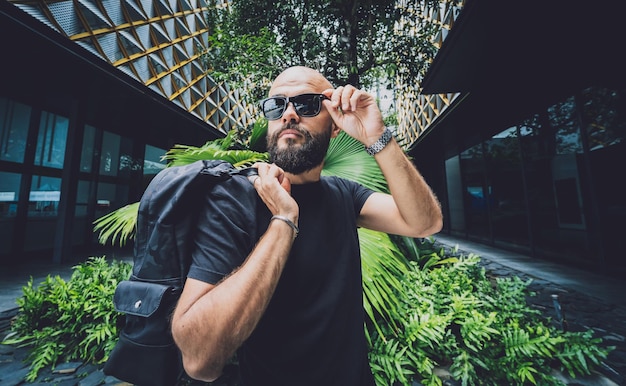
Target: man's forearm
[(210, 328), (416, 202)]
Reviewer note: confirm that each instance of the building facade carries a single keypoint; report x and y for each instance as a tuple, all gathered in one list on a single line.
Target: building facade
[(92, 94), (522, 129), (518, 125)]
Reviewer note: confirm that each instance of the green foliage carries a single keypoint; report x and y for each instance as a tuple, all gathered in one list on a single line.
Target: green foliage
[(346, 158), (68, 320), (382, 266), (391, 119), (226, 149), (256, 138), (483, 333), (258, 56), (357, 42), (117, 226)]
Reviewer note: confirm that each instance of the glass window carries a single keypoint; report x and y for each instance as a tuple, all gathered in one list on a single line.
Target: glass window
[(86, 155), (14, 121), (51, 141), (477, 193), (105, 199), (563, 120), (110, 197), (153, 163), (550, 167), (127, 162), (45, 193), (82, 198), (9, 193), (604, 115), (455, 195), (110, 157), (505, 179)]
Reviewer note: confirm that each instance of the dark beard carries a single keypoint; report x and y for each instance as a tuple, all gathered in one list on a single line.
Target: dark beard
[(299, 159)]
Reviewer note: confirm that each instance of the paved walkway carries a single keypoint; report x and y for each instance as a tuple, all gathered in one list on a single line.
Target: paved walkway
[(588, 300)]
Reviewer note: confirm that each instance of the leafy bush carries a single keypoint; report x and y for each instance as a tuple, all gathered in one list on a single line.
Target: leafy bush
[(455, 320), (451, 320), (70, 320)]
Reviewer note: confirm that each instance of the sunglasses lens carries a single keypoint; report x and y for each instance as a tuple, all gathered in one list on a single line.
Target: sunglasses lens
[(307, 105), (273, 108)]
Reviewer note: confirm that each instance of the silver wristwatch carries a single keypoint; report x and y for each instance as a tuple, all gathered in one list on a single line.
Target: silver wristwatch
[(381, 143)]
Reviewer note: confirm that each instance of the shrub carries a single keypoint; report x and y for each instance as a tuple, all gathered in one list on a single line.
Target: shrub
[(451, 319), (480, 332), (70, 320)]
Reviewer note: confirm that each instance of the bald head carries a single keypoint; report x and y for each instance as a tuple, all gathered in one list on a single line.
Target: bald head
[(299, 77)]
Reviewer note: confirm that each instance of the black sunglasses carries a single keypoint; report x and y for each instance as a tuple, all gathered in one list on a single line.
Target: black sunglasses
[(306, 105)]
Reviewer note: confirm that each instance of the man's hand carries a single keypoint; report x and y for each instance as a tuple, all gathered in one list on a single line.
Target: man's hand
[(355, 112), (274, 188)]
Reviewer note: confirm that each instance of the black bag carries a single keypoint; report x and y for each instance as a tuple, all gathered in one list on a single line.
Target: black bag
[(145, 354)]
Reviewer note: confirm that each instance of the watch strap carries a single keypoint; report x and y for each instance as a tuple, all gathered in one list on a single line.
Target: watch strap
[(381, 143)]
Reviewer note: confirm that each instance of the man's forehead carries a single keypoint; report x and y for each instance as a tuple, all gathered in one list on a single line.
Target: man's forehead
[(287, 86), (299, 79), (293, 89)]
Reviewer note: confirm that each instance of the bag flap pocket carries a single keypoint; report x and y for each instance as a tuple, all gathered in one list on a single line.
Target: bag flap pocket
[(142, 299)]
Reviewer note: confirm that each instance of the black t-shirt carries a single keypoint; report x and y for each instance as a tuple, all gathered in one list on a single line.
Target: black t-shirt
[(312, 332)]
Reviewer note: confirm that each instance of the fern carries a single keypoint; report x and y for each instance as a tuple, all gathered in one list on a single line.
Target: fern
[(530, 342), (580, 352), (425, 330), (66, 320), (463, 369), (526, 373), (477, 329), (44, 354), (482, 330), (390, 363)]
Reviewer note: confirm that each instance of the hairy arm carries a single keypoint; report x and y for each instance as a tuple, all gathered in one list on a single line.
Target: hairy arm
[(211, 321), (411, 209)]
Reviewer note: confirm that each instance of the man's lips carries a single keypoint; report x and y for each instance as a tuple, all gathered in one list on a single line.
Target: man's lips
[(290, 133)]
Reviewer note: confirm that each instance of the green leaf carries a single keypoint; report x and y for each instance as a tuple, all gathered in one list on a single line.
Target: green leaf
[(347, 158), (117, 226)]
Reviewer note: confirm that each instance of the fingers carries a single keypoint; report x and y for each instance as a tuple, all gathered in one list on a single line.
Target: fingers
[(274, 189), (347, 98), (254, 179), (270, 181)]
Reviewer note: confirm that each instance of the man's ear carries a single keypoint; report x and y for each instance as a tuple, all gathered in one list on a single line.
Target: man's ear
[(335, 130)]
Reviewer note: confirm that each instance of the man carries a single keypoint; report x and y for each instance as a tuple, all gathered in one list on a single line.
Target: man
[(277, 279)]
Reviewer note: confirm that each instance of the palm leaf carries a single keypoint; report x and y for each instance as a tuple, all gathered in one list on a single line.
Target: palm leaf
[(382, 266), (213, 150), (257, 140), (347, 158), (117, 226)]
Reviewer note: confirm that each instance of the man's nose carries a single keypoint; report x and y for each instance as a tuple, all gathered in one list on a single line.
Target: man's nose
[(290, 113)]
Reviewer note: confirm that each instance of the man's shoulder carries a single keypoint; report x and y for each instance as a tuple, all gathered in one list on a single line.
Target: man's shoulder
[(336, 180), (341, 183)]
